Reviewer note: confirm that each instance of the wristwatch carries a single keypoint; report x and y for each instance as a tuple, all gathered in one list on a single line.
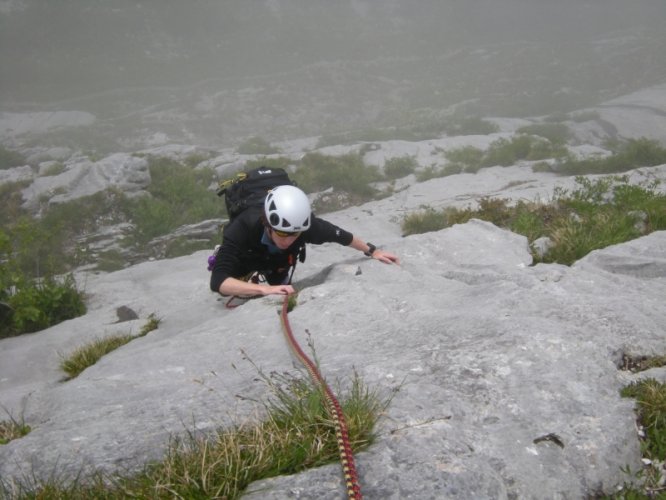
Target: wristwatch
[(371, 249)]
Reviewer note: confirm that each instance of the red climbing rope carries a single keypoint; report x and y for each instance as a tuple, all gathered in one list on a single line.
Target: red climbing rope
[(346, 455)]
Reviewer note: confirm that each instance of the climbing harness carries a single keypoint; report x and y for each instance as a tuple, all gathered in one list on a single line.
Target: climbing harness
[(333, 406)]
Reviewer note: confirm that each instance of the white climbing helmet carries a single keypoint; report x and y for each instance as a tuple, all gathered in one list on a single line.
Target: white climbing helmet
[(287, 209)]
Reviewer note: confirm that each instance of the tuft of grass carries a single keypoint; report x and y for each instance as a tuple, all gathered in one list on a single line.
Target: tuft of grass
[(295, 434), (650, 396), (152, 323), (88, 354), (12, 429)]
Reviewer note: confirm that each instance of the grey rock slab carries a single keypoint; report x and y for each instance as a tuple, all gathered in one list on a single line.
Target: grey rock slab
[(484, 356)]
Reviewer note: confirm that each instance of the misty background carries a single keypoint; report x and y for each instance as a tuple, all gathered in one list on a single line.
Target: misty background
[(215, 72)]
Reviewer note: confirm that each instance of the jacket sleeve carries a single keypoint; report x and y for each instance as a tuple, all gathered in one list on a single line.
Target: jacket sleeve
[(227, 261), (322, 231)]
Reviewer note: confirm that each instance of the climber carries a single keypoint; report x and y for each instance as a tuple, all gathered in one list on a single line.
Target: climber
[(268, 242)]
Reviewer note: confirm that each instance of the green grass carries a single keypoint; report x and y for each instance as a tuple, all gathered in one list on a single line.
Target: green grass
[(650, 396), (296, 434), (594, 215), (89, 354), (13, 428), (628, 155)]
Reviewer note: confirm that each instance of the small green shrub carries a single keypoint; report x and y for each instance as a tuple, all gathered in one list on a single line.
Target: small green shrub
[(111, 260), (36, 305), (347, 174), (398, 167), (452, 169), (430, 172), (256, 146), (9, 159), (54, 169), (178, 195), (466, 157)]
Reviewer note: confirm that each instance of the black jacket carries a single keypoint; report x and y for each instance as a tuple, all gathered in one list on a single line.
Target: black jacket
[(242, 251)]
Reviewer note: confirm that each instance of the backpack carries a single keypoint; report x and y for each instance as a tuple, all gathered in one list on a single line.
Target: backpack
[(249, 188)]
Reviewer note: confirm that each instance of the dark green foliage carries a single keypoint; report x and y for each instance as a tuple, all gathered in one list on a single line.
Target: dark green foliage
[(505, 152), (179, 195), (9, 159), (347, 174), (36, 305), (398, 167), (464, 159)]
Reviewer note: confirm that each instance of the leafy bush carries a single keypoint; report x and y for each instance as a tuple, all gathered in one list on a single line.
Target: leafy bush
[(505, 152), (347, 174), (179, 195), (9, 159), (257, 146), (398, 167), (36, 305)]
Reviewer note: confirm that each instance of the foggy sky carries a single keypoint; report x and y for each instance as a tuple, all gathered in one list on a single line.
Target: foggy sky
[(101, 43)]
